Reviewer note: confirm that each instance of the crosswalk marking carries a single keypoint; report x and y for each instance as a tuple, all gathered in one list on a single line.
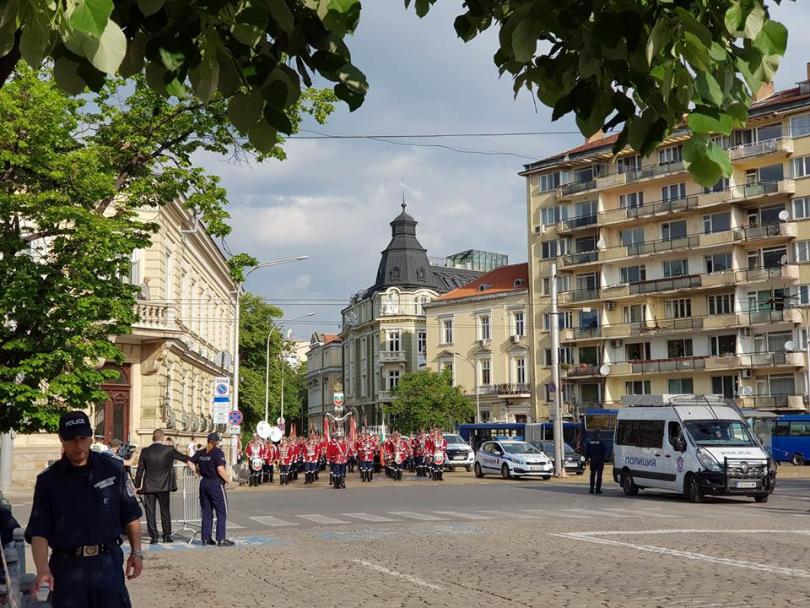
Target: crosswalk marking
[(598, 513), (462, 515), (369, 517), (644, 513), (562, 514), (317, 518), (509, 514), (232, 526), (417, 516), (272, 522)]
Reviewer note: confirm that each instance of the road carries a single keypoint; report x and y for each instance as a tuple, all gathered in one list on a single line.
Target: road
[(491, 543)]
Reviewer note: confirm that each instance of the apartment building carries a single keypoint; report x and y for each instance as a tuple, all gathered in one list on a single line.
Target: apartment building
[(324, 361), (670, 287), (384, 333), (182, 340), (479, 332)]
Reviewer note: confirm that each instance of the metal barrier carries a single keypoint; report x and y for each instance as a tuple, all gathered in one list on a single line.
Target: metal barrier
[(19, 592), (189, 489)]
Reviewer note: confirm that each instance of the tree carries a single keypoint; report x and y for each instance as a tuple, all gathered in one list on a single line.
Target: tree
[(426, 398), (72, 178), (256, 53), (647, 66)]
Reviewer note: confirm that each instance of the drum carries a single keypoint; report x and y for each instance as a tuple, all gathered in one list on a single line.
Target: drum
[(438, 457), (398, 457), (256, 463)]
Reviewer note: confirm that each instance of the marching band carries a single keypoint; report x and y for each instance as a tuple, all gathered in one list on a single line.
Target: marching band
[(422, 453)]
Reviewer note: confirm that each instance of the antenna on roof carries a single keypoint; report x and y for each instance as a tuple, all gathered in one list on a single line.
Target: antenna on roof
[(403, 195)]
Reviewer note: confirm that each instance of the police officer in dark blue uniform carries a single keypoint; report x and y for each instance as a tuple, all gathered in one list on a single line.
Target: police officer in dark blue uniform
[(82, 504), (595, 453), (210, 463)]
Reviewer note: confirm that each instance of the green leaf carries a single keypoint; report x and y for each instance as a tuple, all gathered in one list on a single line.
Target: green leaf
[(754, 22), (205, 79), (524, 40), (277, 119), (263, 137), (66, 74), (176, 88), (171, 59), (739, 112), (34, 42), (280, 13), (422, 7), (353, 79), (352, 99), (717, 52), (708, 88), (734, 17), (696, 52), (7, 38), (245, 110), (773, 38), (720, 157), (660, 35), (107, 53), (708, 120), (693, 25), (91, 16), (156, 77), (150, 7)]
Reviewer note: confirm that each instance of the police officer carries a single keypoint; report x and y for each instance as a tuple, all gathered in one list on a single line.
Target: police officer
[(210, 463), (82, 504), (595, 453)]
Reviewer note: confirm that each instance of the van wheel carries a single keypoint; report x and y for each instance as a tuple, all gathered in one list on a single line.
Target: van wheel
[(691, 490), (797, 460), (505, 472), (628, 485), (761, 498), (478, 472)]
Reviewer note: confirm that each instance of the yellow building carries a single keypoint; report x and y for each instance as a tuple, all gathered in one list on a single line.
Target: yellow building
[(324, 361), (669, 287), (479, 332), (181, 342)]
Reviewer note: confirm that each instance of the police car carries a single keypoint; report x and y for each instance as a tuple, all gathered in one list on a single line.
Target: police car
[(512, 459)]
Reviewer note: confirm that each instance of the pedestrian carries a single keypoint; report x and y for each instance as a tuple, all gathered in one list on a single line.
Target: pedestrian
[(82, 505), (595, 453), (155, 479), (210, 464)]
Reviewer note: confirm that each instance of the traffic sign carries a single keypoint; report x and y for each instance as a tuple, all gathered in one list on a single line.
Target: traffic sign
[(235, 418), (233, 429), (337, 398), (220, 413)]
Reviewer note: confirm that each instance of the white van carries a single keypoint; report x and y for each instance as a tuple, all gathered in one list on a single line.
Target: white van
[(691, 447)]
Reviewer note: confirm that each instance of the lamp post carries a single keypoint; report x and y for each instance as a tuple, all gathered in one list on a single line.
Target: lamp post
[(274, 327), (475, 380)]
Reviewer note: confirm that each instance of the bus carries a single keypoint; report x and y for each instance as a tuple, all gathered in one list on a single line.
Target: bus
[(476, 434), (601, 420), (791, 439), (572, 433)]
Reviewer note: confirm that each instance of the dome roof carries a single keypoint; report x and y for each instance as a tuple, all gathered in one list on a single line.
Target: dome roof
[(404, 263)]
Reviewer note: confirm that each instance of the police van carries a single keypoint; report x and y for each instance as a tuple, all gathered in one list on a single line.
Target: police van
[(697, 445)]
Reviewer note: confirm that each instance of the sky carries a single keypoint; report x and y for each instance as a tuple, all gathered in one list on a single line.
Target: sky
[(333, 200)]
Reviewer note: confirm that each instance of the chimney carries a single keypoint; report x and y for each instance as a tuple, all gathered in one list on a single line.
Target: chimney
[(807, 69), (600, 134), (765, 91)]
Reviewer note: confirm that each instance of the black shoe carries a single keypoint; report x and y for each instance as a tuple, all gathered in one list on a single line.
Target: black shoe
[(209, 542), (225, 543), (153, 541), (599, 491), (168, 538), (590, 491)]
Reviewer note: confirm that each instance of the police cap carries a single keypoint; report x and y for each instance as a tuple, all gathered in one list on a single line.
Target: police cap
[(213, 437), (74, 424)]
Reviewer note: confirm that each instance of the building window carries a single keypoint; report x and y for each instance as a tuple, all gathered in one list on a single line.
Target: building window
[(633, 274), (635, 313), (485, 375), (803, 251), (637, 387), (669, 155), (718, 262), (520, 370), (678, 309), (484, 332), (722, 345), (447, 331), (721, 185), (716, 222), (519, 323), (725, 386), (801, 166), (549, 181), (673, 230), (631, 236), (135, 268), (676, 268), (801, 208), (637, 351), (552, 215), (566, 320), (673, 192), (804, 295), (678, 349), (680, 386), (551, 249), (566, 356), (394, 338), (421, 342), (721, 304), (631, 200), (628, 164), (393, 379), (800, 125)]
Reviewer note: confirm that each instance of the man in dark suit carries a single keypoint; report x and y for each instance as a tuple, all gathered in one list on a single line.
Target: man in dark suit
[(155, 479)]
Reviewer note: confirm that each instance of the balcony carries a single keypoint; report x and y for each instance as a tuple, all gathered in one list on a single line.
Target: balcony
[(780, 145), (770, 402), (629, 176), (779, 231), (569, 190), (658, 366), (392, 356), (579, 296), (759, 190), (771, 317), (512, 391), (580, 222), (583, 370), (774, 359), (787, 273), (580, 333), (650, 210), (579, 258), (155, 316), (669, 284)]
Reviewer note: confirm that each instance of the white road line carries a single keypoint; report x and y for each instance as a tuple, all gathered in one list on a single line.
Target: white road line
[(317, 518), (232, 526), (644, 512), (369, 517), (562, 514), (416, 516), (594, 537), (598, 513), (272, 522), (508, 514), (462, 515), (407, 577)]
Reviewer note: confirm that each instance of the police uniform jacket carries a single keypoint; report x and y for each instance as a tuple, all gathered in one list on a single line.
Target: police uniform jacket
[(89, 505)]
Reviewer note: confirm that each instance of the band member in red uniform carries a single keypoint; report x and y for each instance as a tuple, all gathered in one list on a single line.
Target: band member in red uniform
[(286, 453), (270, 458), (338, 455), (255, 456), (365, 452), (311, 458), (439, 453), (419, 454), (399, 454)]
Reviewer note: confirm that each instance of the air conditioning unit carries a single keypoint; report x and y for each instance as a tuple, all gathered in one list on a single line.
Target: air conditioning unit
[(615, 343), (746, 373), (516, 339), (609, 304)]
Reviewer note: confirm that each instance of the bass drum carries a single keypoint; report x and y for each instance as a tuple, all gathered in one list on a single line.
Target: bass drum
[(275, 434), (256, 464), (438, 457)]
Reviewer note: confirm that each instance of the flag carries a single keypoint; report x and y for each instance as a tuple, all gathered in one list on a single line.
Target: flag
[(352, 429), (326, 428), (292, 431)]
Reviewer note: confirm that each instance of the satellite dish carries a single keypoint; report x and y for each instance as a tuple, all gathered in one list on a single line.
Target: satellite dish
[(275, 434), (783, 260), (263, 429), (604, 370), (789, 346), (600, 244), (746, 391), (784, 215)]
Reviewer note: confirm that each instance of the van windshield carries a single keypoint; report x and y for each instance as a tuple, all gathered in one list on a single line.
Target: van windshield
[(719, 433)]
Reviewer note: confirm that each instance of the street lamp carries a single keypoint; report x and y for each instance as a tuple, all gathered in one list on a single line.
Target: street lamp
[(273, 328), (475, 380), (236, 317)]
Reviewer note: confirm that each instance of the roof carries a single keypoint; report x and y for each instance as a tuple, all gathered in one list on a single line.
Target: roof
[(500, 280), (448, 279), (327, 338)]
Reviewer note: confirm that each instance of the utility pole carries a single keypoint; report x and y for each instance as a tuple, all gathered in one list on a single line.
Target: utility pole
[(555, 367)]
